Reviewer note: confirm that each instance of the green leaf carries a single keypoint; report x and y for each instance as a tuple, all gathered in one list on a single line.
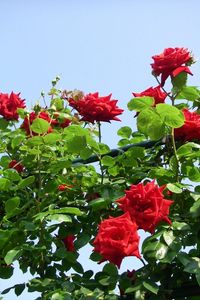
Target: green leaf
[(85, 153), (125, 132), (3, 123), (168, 237), (19, 288), (16, 141), (193, 266), (180, 226), (76, 144), (170, 115), (190, 93), (12, 255), (195, 209), (98, 204), (65, 210), (151, 286), (156, 129), (6, 272), (52, 138), (174, 188), (82, 240), (110, 269), (194, 174), (106, 280), (140, 103), (12, 175), (35, 141), (40, 126), (149, 123), (108, 161), (187, 149), (26, 182), (95, 256), (179, 81), (4, 237), (12, 204), (4, 184), (59, 218)]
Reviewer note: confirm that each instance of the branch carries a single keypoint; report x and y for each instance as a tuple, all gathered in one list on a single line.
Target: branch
[(116, 152)]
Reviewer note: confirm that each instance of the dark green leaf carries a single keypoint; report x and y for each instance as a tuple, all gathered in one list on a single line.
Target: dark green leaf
[(26, 182), (12, 204), (151, 286)]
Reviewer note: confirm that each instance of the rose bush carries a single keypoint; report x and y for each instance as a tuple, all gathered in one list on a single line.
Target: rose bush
[(54, 201)]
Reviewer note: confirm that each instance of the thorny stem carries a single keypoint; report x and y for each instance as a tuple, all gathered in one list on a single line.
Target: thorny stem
[(100, 164)]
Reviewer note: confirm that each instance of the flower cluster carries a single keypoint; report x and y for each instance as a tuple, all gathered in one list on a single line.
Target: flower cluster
[(145, 208), (9, 105)]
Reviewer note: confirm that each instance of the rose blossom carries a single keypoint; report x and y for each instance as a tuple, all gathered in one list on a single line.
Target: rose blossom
[(10, 104), (191, 128), (171, 63), (16, 165), (32, 116), (64, 187), (93, 108), (117, 238), (69, 242), (158, 95), (146, 205)]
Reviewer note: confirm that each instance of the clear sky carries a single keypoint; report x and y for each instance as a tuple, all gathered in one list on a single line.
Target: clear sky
[(103, 46)]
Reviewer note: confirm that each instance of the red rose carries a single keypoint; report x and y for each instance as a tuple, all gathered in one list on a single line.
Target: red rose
[(32, 116), (16, 165), (69, 242), (9, 105), (116, 239), (171, 62), (191, 128), (146, 205), (63, 187), (158, 95), (94, 108)]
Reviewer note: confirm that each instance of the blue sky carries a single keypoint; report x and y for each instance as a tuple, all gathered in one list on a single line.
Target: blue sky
[(103, 46)]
